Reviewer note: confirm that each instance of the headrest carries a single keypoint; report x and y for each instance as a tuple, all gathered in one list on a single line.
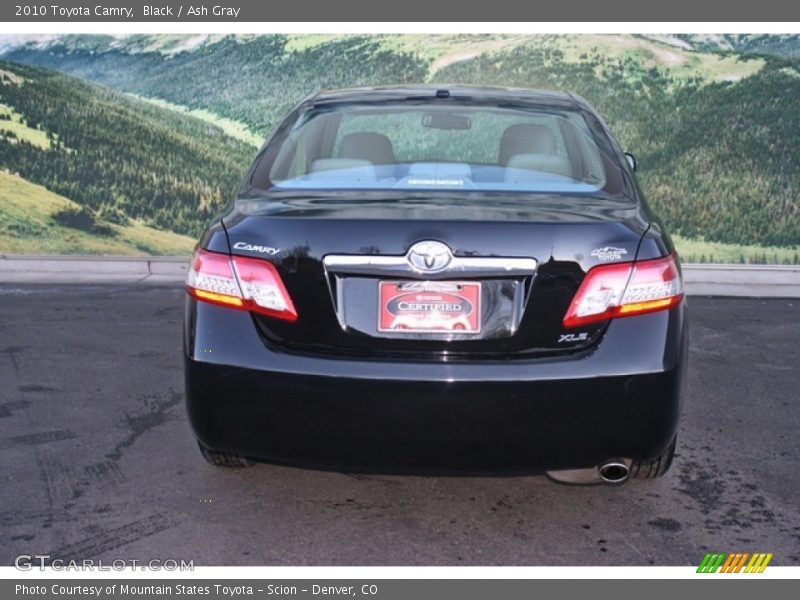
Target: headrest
[(367, 145), (526, 138)]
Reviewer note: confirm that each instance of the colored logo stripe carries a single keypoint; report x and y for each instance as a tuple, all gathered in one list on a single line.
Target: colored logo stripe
[(735, 562), (758, 563), (711, 562)]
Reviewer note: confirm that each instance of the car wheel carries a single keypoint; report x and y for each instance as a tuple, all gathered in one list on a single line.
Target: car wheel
[(650, 469), (224, 459)]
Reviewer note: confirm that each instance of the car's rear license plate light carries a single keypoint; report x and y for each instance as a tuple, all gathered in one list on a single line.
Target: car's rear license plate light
[(429, 307)]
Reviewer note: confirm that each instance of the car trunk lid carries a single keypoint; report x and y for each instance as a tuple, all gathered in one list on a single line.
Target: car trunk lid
[(514, 266)]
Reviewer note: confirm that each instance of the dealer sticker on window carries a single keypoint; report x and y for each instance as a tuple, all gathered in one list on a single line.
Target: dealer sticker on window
[(429, 307)]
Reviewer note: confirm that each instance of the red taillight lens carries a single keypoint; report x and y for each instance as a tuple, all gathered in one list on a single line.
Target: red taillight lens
[(625, 289), (239, 282)]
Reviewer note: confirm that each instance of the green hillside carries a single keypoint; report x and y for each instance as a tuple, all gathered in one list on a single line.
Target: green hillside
[(718, 159), (254, 81), (29, 225), (713, 120), (779, 45), (118, 157)]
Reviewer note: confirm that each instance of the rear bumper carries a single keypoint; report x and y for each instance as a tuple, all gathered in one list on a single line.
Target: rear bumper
[(620, 400)]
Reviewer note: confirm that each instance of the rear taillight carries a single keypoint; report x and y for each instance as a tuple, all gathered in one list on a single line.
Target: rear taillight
[(238, 282), (625, 289)]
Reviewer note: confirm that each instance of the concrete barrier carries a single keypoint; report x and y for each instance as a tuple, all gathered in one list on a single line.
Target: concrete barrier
[(92, 269), (760, 281)]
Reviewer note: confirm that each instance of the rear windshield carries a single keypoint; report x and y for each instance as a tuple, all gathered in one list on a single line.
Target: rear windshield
[(436, 147)]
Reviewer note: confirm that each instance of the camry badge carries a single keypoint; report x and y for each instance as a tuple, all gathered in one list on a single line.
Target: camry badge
[(429, 256), (255, 248)]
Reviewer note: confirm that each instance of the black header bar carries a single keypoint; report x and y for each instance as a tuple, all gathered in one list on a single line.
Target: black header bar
[(244, 11)]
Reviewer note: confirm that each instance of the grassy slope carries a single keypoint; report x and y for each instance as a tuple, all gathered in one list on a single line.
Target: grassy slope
[(21, 131), (701, 251), (681, 63), (27, 227)]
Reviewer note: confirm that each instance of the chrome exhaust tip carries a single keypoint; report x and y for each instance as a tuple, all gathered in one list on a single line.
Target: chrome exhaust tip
[(614, 471)]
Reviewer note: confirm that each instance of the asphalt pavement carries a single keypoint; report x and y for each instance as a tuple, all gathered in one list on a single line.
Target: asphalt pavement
[(98, 460)]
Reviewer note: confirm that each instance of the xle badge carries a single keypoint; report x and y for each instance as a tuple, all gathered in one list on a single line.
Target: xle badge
[(573, 337)]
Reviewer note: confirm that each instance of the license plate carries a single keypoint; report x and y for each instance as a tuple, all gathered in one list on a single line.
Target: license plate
[(429, 307)]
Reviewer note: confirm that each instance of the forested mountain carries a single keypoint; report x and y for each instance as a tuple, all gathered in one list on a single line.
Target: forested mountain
[(255, 81), (715, 132), (718, 159), (779, 45), (117, 156)]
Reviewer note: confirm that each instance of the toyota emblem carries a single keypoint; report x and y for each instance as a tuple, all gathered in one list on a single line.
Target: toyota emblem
[(429, 256)]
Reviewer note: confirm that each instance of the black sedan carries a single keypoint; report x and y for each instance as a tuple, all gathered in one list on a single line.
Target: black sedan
[(423, 279)]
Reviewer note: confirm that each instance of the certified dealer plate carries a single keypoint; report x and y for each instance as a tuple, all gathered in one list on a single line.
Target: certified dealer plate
[(429, 307)]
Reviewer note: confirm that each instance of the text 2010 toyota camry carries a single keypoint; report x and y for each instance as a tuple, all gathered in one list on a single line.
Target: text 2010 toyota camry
[(425, 279)]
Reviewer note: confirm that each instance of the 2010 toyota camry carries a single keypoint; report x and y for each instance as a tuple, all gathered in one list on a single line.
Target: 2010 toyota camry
[(439, 279)]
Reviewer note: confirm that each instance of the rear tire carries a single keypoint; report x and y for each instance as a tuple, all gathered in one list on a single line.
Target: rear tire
[(224, 459), (650, 469)]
